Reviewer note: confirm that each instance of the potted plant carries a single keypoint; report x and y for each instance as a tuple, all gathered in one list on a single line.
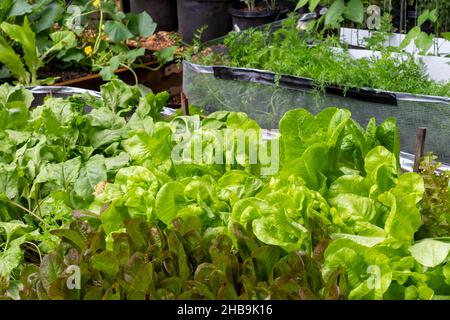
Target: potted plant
[(251, 13)]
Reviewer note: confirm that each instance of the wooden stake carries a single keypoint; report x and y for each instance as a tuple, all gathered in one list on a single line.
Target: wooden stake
[(420, 146), (184, 104)]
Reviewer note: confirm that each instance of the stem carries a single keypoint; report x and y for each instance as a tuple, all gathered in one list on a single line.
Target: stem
[(143, 66), (36, 246), (18, 205), (38, 205), (99, 36), (132, 71)]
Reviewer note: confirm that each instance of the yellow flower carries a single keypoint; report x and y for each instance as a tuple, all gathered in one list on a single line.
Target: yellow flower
[(96, 3), (88, 50)]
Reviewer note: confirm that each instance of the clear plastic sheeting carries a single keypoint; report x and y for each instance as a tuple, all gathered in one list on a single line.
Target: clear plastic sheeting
[(40, 92), (266, 97)]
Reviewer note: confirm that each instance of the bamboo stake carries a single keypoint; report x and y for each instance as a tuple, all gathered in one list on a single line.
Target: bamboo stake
[(420, 146)]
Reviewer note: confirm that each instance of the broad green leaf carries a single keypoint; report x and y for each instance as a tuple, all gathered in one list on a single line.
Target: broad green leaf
[(151, 105), (313, 4), (92, 173), (156, 147), (430, 252), (10, 259), (311, 166), (165, 55), (19, 8), (63, 174), (292, 125), (387, 134), (404, 218), (49, 17), (132, 55), (410, 36), (364, 241), (11, 227), (26, 37), (334, 14), (354, 11), (114, 164), (352, 184), (412, 184), (63, 40), (50, 270), (108, 72), (169, 200), (300, 4), (107, 263), (14, 104), (13, 61), (356, 206), (141, 24), (277, 231), (117, 31), (368, 271), (9, 181), (73, 236), (119, 96), (424, 42)]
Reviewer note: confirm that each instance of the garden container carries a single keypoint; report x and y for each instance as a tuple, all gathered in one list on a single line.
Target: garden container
[(242, 18), (163, 12), (193, 14), (167, 78), (41, 92), (266, 97)]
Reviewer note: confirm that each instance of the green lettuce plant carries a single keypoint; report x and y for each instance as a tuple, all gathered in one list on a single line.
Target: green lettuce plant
[(25, 68)]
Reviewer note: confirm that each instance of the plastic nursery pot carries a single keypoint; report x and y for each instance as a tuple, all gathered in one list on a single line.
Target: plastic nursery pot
[(243, 18), (193, 14), (400, 21), (163, 12)]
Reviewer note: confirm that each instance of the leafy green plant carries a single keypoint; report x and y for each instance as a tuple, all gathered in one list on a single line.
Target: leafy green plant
[(32, 58), (326, 62), (107, 50), (52, 38), (113, 190), (338, 11), (183, 262), (54, 156), (436, 202), (422, 40)]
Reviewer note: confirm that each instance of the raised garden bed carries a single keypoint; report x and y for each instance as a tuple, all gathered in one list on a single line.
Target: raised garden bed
[(112, 209), (267, 95)]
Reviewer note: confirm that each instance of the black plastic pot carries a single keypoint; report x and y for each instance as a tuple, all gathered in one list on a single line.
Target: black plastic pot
[(243, 19), (163, 12), (193, 14), (401, 22)]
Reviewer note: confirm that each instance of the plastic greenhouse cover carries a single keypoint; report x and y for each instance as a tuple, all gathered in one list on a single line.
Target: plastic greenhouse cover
[(266, 96), (40, 92)]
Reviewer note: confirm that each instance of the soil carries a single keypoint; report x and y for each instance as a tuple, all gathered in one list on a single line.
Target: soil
[(66, 74), (157, 41), (220, 51), (255, 9), (63, 75)]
